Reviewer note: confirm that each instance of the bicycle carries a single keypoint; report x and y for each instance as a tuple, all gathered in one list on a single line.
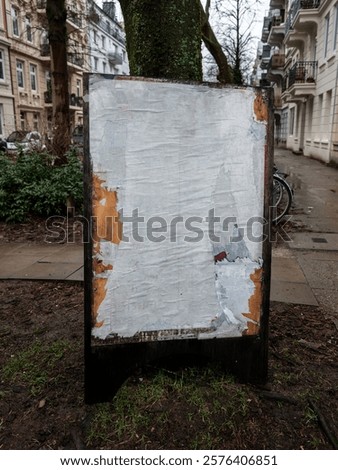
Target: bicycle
[(282, 196)]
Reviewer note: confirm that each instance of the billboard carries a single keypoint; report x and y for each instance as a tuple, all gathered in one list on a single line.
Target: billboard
[(177, 196)]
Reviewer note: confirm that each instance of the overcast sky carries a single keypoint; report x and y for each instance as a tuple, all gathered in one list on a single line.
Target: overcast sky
[(264, 7)]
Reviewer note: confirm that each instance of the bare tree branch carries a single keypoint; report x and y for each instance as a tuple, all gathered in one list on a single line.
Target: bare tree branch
[(215, 49)]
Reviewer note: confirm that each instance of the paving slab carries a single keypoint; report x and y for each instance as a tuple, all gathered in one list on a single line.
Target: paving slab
[(320, 274), (68, 253), (12, 264), (318, 255), (287, 270), (36, 250), (46, 271), (329, 300), (292, 293), (77, 275), (314, 241)]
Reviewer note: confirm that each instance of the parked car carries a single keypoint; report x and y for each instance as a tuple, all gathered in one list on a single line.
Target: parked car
[(27, 141)]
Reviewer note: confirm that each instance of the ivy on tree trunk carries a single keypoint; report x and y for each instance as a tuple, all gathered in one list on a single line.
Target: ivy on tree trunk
[(57, 32), (164, 38)]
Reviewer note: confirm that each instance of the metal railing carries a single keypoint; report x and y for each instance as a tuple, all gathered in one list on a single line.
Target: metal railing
[(73, 99), (45, 50), (75, 59), (302, 72), (74, 17), (108, 28), (295, 7)]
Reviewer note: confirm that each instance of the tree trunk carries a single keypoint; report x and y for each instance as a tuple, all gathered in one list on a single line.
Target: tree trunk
[(164, 38), (215, 49), (56, 15)]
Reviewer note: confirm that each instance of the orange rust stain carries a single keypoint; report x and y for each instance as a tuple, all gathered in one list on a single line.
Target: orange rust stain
[(255, 303), (99, 267), (260, 108), (107, 226)]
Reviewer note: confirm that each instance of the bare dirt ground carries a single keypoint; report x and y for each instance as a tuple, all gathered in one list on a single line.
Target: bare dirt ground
[(42, 386)]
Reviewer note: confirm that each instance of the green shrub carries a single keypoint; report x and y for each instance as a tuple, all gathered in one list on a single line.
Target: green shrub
[(32, 184)]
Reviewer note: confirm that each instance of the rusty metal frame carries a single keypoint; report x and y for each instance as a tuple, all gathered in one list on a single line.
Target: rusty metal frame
[(107, 366)]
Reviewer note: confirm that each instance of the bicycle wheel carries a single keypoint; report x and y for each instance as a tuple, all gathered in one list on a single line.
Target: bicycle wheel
[(282, 198)]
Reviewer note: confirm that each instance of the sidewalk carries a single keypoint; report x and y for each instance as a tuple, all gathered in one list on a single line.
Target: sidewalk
[(41, 262), (304, 270)]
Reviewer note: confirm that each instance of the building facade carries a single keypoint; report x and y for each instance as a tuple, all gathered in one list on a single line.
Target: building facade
[(95, 44), (107, 50), (7, 122), (300, 60)]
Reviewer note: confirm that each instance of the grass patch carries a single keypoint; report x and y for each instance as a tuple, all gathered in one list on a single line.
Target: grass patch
[(193, 405), (35, 366)]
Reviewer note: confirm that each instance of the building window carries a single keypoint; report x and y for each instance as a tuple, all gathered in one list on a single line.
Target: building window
[(335, 32), (95, 37), (291, 121), (48, 81), (104, 67), (15, 22), (327, 112), (29, 29), (2, 65), (1, 119), (36, 121), (19, 74), (108, 27), (33, 75), (78, 87), (95, 63), (103, 39), (327, 32), (23, 120)]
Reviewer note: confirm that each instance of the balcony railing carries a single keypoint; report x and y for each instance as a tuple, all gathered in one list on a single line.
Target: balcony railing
[(299, 5), (303, 72), (75, 100), (41, 4), (45, 50), (75, 59), (74, 17)]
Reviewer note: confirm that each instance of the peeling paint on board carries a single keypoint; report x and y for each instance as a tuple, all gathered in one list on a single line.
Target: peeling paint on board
[(175, 154), (255, 304), (107, 226), (260, 108)]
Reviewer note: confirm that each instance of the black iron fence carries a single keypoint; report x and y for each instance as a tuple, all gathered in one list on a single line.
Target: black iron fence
[(75, 59), (299, 5), (45, 49), (303, 72), (74, 100)]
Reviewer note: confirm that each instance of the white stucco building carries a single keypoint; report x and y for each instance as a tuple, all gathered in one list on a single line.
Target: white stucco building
[(107, 50), (301, 61)]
